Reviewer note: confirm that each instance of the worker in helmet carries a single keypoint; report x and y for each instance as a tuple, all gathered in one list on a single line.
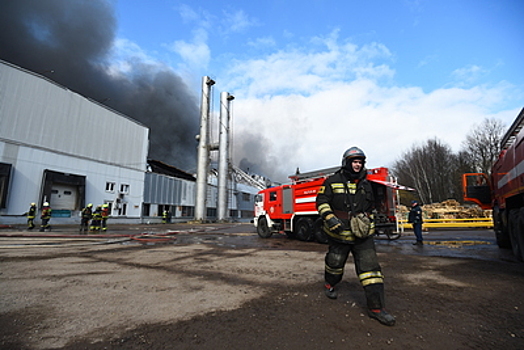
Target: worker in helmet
[(166, 216), (87, 214), (30, 215), (45, 216), (105, 216), (345, 201), (96, 219), (415, 218)]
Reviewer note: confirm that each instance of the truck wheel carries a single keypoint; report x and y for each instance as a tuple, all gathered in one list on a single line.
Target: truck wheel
[(318, 232), (263, 229), (501, 231), (391, 235), (515, 228), (304, 229)]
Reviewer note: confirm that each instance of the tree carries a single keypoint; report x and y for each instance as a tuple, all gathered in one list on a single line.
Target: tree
[(430, 168), (483, 144)]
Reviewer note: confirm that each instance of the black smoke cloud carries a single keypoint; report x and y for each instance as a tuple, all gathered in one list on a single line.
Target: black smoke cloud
[(73, 38), (255, 154)]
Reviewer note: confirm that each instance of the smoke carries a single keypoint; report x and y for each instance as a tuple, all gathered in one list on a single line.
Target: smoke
[(73, 39), (255, 154)]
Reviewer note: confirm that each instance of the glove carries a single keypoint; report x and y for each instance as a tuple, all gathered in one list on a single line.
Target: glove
[(334, 224)]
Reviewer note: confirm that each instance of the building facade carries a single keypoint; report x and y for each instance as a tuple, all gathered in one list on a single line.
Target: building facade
[(59, 147)]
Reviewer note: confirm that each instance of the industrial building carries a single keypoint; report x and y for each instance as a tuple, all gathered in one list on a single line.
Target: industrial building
[(60, 147)]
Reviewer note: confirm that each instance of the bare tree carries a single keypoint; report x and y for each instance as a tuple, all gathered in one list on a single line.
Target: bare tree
[(430, 168), (483, 144)]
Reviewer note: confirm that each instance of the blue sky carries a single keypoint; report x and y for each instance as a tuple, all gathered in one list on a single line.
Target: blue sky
[(313, 78)]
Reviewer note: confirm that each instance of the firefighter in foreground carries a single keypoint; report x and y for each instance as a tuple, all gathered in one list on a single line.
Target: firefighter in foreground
[(345, 202)]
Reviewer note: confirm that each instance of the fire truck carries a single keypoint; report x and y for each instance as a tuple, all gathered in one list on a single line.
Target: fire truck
[(503, 189), (291, 208)]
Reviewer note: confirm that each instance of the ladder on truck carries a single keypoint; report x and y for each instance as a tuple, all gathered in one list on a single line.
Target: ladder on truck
[(302, 177), (511, 135)]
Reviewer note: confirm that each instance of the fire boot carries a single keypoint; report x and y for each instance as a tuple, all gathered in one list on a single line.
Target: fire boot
[(330, 291), (382, 316)]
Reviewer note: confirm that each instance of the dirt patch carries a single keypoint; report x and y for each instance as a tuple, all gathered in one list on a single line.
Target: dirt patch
[(207, 295)]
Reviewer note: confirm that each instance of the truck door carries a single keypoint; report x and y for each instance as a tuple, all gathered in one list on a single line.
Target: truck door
[(287, 200)]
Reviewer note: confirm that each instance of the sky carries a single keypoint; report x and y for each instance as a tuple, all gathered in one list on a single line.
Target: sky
[(311, 79), (314, 78)]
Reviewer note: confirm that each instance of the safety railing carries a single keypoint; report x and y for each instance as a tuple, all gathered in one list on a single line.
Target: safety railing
[(452, 223)]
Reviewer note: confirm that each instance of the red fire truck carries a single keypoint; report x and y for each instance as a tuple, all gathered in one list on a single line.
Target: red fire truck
[(291, 208), (503, 189)]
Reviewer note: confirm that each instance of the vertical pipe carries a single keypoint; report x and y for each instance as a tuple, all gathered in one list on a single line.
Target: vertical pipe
[(223, 156), (203, 152)]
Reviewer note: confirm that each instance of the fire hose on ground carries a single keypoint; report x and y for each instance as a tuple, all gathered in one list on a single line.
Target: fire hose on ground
[(54, 240)]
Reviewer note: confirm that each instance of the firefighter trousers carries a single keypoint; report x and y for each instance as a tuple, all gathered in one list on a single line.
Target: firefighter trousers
[(366, 266)]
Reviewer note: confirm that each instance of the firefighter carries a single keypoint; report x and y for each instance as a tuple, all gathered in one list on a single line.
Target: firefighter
[(45, 216), (31, 214), (166, 216), (96, 219), (104, 216), (87, 214), (345, 201), (415, 218)]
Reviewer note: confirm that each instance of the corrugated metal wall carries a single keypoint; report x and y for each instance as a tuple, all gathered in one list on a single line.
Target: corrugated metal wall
[(40, 113), (166, 190)]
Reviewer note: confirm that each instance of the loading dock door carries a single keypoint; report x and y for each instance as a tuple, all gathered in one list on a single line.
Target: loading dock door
[(63, 196)]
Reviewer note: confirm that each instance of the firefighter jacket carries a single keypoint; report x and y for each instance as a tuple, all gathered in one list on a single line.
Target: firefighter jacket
[(32, 212), (87, 213), (334, 198), (46, 213), (415, 215)]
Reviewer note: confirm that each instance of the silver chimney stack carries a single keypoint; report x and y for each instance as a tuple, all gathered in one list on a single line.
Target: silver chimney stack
[(203, 152), (223, 156)]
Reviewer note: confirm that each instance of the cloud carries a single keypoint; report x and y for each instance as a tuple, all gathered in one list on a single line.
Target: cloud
[(303, 107), (237, 21), (468, 75), (195, 54)]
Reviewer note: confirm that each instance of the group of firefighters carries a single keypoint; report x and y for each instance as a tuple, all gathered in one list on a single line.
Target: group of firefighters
[(91, 220), (45, 216), (94, 220)]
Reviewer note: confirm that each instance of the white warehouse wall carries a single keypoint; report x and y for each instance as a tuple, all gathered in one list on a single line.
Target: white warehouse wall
[(27, 176), (46, 126)]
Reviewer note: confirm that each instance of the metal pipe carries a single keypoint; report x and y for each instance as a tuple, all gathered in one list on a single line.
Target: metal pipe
[(203, 152), (223, 156)]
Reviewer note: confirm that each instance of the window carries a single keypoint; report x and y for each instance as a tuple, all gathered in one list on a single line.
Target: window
[(110, 187), (246, 197), (188, 211), (124, 188), (123, 209), (272, 196)]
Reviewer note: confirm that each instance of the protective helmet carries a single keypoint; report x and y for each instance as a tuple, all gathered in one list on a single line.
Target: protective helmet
[(90, 205), (353, 152), (46, 204), (33, 204), (105, 205)]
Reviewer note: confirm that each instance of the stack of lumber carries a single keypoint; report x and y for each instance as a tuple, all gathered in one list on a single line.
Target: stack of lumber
[(449, 209)]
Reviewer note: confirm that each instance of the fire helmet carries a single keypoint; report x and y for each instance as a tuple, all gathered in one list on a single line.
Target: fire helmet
[(353, 152), (46, 204), (33, 204)]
